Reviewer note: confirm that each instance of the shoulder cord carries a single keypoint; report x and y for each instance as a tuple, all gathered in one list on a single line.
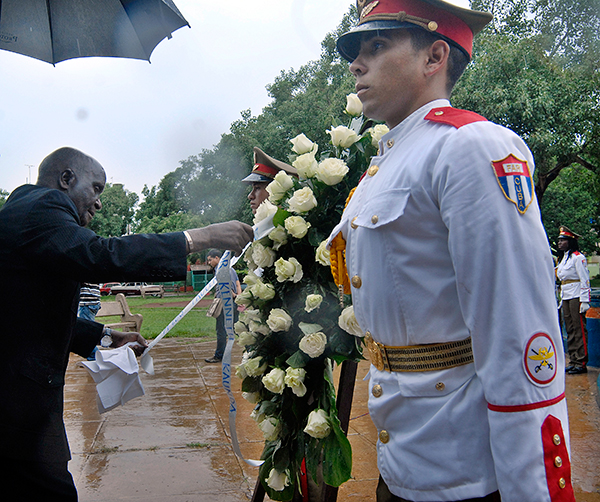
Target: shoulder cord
[(337, 259)]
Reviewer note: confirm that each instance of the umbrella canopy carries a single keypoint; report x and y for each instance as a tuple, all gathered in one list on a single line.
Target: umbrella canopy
[(56, 30)]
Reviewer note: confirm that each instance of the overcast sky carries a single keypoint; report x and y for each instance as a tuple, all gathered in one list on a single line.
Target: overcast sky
[(139, 119)]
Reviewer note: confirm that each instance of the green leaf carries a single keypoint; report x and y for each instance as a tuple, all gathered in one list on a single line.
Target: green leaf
[(251, 384), (337, 457), (298, 359)]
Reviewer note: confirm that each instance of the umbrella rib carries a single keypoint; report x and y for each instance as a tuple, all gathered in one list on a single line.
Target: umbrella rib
[(50, 30)]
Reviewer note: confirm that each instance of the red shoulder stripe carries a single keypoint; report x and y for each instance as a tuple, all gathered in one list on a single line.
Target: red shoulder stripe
[(453, 116), (526, 407)]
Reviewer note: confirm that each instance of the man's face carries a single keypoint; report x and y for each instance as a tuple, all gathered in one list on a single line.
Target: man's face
[(258, 194), (389, 76), (213, 261), (85, 190)]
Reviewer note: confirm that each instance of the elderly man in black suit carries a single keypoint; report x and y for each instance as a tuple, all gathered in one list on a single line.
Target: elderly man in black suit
[(43, 244)]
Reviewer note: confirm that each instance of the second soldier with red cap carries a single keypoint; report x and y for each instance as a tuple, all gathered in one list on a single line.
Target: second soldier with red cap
[(451, 275)]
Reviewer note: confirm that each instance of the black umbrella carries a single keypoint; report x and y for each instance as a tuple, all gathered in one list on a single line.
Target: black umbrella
[(56, 30)]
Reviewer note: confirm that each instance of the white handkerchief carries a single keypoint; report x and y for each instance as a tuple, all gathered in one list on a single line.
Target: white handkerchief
[(116, 374)]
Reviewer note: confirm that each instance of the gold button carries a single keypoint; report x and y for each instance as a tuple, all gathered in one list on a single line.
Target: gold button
[(352, 224), (432, 26), (440, 386), (558, 462), (556, 439), (384, 436), (356, 281), (377, 391), (439, 112), (562, 483), (390, 143), (378, 152), (372, 171), (374, 219)]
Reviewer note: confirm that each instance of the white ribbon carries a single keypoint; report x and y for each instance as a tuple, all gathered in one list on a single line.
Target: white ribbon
[(223, 275)]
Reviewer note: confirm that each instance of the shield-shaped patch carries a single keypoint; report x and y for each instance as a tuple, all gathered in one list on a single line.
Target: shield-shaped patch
[(514, 179)]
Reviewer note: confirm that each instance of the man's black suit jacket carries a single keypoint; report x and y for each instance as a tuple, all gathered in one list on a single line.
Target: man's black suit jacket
[(44, 255)]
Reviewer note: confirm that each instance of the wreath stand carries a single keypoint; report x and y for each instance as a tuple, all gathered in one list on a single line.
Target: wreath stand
[(344, 406)]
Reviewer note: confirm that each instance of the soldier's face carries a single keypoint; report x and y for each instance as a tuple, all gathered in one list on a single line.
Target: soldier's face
[(389, 76), (258, 194), (563, 244)]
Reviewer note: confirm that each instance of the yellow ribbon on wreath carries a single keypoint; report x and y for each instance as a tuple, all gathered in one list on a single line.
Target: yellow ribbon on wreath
[(337, 259)]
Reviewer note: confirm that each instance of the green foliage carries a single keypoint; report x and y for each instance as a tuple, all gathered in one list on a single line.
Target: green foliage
[(116, 215), (536, 72), (3, 196), (573, 200)]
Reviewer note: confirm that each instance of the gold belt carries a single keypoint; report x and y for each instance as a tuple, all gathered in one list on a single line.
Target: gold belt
[(569, 281), (430, 357)]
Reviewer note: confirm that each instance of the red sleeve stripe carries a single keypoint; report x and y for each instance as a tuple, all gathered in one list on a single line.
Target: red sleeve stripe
[(526, 407)]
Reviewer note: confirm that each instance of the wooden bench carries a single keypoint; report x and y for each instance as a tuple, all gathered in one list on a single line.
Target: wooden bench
[(129, 321)]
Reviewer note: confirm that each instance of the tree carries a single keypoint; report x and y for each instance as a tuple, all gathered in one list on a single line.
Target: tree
[(3, 196), (116, 215), (536, 71), (573, 200)]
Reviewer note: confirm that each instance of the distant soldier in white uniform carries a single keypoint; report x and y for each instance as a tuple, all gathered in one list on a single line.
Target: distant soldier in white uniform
[(451, 275), (574, 277)]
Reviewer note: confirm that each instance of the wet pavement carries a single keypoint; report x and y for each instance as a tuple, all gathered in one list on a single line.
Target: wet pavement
[(173, 444)]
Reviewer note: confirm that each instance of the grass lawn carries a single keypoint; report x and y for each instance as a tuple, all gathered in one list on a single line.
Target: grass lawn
[(156, 318)]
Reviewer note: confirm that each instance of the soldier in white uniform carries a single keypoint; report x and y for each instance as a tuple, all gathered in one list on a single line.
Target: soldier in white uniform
[(451, 275), (574, 277)]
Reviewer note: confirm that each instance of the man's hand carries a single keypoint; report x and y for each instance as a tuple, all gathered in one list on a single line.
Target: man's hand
[(584, 307), (233, 235), (120, 338)]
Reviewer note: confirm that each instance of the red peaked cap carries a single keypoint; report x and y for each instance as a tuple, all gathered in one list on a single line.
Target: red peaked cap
[(454, 24), (565, 232)]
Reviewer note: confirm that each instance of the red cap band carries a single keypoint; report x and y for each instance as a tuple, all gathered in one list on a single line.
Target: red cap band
[(266, 170), (448, 25)]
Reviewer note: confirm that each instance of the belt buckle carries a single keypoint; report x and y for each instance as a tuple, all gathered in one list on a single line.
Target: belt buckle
[(378, 353)]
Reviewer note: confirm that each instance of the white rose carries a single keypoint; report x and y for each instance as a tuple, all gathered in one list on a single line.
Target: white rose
[(257, 415), (313, 344), (331, 171), (251, 279), (279, 237), (249, 261), (301, 144), (263, 256), (279, 186), (240, 371), (244, 298), (250, 315), (251, 397), (294, 379), (347, 321), (264, 211), (322, 255), (302, 201), (306, 165), (255, 367), (246, 338), (354, 105), (277, 480), (258, 327), (377, 132), (288, 270), (270, 428), (343, 136), (274, 380), (317, 424), (263, 291), (279, 320), (239, 327), (296, 226), (312, 302)]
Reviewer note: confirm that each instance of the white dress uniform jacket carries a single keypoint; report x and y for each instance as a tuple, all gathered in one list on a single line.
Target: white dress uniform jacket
[(573, 267), (441, 248)]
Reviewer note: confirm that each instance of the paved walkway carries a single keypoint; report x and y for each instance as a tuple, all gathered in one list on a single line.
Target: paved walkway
[(173, 444)]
